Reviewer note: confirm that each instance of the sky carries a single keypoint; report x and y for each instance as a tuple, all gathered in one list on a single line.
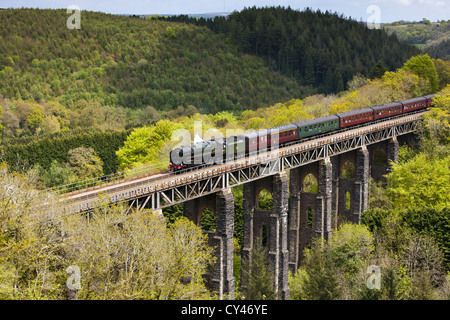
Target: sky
[(364, 10)]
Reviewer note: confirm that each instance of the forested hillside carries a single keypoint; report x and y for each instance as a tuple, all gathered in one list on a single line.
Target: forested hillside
[(131, 63), (320, 49), (254, 58)]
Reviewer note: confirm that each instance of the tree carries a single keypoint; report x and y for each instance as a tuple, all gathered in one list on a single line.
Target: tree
[(436, 128), (257, 277), (56, 175), (119, 256), (84, 163), (420, 182), (322, 281), (423, 66), (137, 257), (144, 144), (35, 118), (378, 70), (351, 246), (310, 76), (31, 240), (1, 127)]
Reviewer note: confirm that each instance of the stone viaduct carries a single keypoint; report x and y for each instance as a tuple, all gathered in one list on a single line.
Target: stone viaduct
[(297, 215), (314, 187)]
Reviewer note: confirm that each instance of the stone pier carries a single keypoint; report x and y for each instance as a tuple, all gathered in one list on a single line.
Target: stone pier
[(274, 222), (220, 279)]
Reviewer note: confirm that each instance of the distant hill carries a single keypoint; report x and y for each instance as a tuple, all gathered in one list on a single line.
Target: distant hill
[(431, 37)]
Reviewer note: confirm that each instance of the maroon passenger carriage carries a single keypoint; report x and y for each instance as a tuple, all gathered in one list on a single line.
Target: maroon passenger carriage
[(414, 104), (387, 110), (351, 118)]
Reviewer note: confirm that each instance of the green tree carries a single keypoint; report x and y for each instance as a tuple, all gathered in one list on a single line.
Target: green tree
[(31, 241), (1, 127), (143, 145), (323, 279), (134, 256), (351, 246), (420, 182), (436, 128), (257, 277), (35, 118), (137, 257), (423, 66), (56, 175), (378, 70), (84, 163)]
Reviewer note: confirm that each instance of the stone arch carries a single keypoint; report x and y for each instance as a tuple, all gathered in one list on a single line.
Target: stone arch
[(348, 200), (272, 222), (202, 208), (379, 157), (220, 206), (264, 199), (207, 219), (348, 169), (310, 183)]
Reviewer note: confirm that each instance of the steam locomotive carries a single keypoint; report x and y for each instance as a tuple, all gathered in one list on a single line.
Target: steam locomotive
[(221, 150)]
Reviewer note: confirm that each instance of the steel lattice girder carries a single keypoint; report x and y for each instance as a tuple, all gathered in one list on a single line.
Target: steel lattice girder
[(247, 170)]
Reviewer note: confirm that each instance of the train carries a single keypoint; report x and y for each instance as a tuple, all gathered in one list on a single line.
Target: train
[(221, 150)]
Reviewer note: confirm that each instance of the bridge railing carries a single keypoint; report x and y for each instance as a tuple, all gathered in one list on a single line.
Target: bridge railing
[(98, 181)]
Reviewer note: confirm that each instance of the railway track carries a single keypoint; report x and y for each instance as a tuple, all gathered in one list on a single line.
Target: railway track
[(146, 184)]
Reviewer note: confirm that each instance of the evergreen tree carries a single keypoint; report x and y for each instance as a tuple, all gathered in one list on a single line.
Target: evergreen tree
[(259, 280), (378, 70)]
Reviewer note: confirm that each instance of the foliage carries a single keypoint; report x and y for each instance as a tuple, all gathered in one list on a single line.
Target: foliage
[(436, 127), (143, 145), (432, 37), (45, 150), (423, 66), (378, 195), (1, 127), (31, 242), (120, 256), (321, 281), (56, 175), (426, 221), (350, 246), (378, 70), (410, 264), (123, 62), (420, 182), (259, 282), (440, 50), (136, 257), (84, 163), (302, 44)]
